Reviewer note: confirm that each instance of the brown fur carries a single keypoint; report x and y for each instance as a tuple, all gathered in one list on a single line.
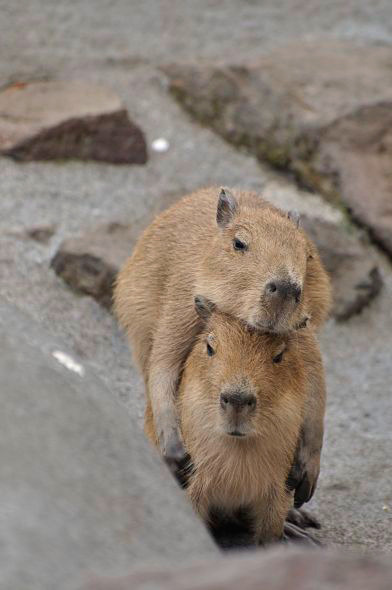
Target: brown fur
[(251, 471), (184, 253)]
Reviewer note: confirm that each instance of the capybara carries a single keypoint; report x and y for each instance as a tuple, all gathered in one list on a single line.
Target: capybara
[(241, 402), (254, 263)]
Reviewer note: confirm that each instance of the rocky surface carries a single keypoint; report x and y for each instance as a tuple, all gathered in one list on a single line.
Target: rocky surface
[(60, 120), (82, 492), (322, 111), (122, 48), (42, 234), (356, 154), (354, 271), (89, 264), (274, 570)]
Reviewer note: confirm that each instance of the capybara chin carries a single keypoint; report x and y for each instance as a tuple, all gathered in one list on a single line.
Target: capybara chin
[(241, 403), (253, 262)]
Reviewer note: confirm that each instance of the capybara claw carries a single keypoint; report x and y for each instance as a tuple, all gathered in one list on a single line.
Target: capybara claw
[(295, 534), (302, 519)]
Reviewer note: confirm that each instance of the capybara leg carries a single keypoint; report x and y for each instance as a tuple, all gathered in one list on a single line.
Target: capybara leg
[(162, 386), (306, 466), (172, 341), (270, 517), (181, 468)]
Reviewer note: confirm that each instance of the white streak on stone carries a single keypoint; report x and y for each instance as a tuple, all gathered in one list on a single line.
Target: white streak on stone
[(68, 362), (160, 145)]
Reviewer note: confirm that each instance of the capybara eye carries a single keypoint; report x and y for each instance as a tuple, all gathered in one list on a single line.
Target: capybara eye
[(210, 350), (239, 245), (278, 358)]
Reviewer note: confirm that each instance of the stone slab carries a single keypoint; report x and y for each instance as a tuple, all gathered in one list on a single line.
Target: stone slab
[(82, 492), (63, 120)]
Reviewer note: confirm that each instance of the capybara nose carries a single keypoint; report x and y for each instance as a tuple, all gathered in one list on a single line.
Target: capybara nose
[(283, 290), (238, 401)]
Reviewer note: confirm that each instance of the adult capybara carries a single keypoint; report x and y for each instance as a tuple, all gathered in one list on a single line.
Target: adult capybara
[(255, 264)]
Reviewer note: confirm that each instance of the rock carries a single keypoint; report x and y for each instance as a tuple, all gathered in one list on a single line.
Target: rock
[(89, 264), (275, 569), (82, 492), (356, 151), (322, 111), (61, 120), (356, 279)]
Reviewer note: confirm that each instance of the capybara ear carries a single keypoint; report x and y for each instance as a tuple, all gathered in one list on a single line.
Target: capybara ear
[(204, 307), (227, 206), (295, 217)]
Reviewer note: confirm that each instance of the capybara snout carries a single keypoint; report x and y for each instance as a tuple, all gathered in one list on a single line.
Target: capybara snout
[(237, 408), (281, 300), (237, 401), (282, 290)]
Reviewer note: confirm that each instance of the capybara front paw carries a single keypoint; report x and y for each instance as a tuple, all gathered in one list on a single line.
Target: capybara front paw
[(296, 534), (302, 519), (173, 450), (303, 492), (303, 479)]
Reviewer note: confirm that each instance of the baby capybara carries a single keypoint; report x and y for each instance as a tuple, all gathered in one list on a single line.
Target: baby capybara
[(241, 402)]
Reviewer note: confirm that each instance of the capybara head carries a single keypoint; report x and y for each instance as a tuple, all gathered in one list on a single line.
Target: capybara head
[(256, 266), (240, 381)]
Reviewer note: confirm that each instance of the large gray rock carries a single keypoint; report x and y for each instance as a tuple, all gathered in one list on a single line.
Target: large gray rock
[(59, 120), (82, 493), (276, 569), (322, 111)]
